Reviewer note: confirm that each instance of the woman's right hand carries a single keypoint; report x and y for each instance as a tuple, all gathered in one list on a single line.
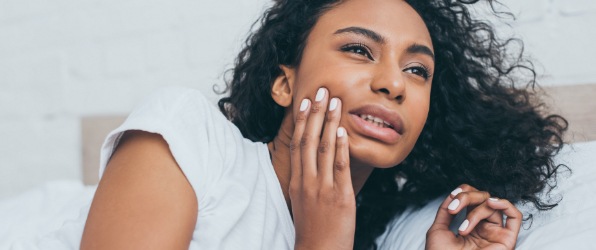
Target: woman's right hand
[(321, 193)]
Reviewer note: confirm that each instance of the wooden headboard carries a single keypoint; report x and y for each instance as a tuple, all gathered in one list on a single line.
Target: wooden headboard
[(94, 130), (577, 103)]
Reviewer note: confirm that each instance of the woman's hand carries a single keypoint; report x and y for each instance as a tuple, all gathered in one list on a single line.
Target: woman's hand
[(321, 192), (484, 227)]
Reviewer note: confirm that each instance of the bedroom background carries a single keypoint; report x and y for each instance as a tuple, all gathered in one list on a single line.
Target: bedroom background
[(64, 60)]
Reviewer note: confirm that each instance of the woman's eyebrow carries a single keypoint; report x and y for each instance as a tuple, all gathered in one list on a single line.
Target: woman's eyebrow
[(412, 49), (420, 49), (362, 31)]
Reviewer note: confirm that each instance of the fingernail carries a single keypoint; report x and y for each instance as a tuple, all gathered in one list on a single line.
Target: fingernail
[(464, 225), (456, 191), (341, 132), (493, 199), (320, 95), (453, 205), (304, 105), (333, 104)]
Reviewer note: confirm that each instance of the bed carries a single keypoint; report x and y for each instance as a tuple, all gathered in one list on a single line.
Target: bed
[(34, 215)]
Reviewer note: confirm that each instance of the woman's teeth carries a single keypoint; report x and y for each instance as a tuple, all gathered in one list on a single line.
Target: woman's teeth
[(376, 121)]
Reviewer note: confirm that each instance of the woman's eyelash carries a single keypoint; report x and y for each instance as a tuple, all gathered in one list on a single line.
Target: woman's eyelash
[(420, 70), (358, 48), (362, 49)]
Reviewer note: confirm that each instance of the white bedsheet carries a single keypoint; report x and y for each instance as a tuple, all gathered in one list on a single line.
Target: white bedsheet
[(28, 218), (29, 221)]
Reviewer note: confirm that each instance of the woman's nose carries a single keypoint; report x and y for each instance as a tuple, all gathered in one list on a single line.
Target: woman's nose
[(389, 83)]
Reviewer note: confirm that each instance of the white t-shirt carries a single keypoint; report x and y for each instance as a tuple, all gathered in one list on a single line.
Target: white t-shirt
[(241, 204)]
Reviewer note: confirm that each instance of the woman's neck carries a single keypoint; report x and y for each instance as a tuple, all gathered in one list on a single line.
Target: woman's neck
[(279, 150)]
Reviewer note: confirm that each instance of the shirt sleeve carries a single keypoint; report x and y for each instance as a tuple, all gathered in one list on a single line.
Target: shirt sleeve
[(202, 141)]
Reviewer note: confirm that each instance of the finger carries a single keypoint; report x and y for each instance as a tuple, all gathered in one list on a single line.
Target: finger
[(467, 199), (312, 134), (496, 218), (462, 188), (480, 214), (295, 155), (342, 177), (443, 218), (514, 217), (326, 152), (455, 192)]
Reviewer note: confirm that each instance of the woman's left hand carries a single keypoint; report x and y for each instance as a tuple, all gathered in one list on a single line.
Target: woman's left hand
[(484, 227)]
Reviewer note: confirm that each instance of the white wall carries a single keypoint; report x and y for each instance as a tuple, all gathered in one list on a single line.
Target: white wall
[(65, 59), (559, 35)]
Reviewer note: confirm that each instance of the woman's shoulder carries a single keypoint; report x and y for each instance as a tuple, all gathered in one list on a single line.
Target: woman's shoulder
[(202, 141), (185, 118), (181, 111)]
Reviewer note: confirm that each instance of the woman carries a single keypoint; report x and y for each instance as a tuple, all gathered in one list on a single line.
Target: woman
[(332, 95)]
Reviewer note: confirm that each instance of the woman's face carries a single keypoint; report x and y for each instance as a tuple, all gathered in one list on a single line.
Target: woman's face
[(376, 56)]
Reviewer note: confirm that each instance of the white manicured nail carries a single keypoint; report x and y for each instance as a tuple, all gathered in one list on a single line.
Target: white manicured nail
[(341, 132), (333, 104), (456, 191), (464, 225), (493, 199), (304, 105), (453, 205), (320, 95)]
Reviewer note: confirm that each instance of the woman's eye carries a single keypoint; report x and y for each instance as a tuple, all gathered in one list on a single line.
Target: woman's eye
[(418, 70), (359, 49)]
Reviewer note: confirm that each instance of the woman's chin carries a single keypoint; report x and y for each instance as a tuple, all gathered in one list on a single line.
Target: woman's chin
[(374, 155), (374, 159)]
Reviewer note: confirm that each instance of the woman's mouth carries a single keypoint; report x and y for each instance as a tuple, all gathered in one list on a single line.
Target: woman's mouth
[(377, 122)]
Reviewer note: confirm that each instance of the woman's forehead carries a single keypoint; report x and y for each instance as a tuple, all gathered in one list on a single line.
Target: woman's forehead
[(394, 20)]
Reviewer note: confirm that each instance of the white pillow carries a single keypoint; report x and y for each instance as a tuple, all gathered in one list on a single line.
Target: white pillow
[(570, 225)]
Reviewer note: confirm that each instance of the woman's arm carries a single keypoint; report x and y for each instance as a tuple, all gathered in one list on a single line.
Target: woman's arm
[(143, 200)]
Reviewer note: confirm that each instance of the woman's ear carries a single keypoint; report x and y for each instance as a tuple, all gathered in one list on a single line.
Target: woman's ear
[(281, 91)]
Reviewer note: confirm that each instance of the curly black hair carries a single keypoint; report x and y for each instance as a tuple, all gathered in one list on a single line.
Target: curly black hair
[(486, 125)]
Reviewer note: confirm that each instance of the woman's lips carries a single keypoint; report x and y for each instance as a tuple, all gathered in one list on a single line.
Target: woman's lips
[(384, 134), (387, 134)]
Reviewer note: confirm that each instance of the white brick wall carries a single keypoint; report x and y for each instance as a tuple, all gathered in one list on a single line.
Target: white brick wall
[(64, 59)]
